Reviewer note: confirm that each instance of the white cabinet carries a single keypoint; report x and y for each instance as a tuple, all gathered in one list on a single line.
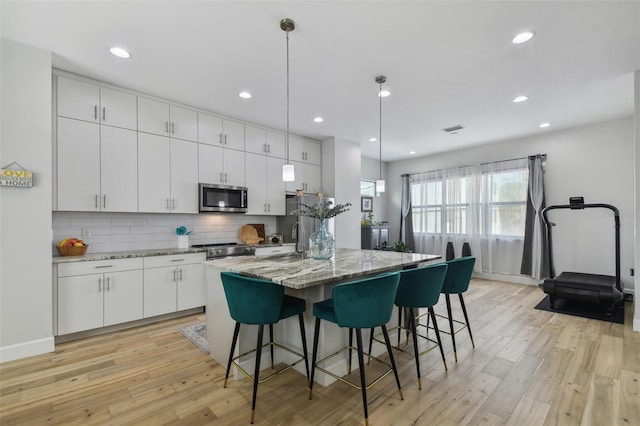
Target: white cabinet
[(98, 293), (266, 194), (173, 283), (96, 167), (90, 102), (214, 130), (307, 178), (163, 119), (221, 165), (304, 151), (167, 175), (260, 141)]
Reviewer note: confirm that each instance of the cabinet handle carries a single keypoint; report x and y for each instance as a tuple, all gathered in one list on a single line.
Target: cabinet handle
[(108, 284), (221, 140), (99, 285), (269, 207), (95, 112), (173, 128), (104, 266), (225, 138), (104, 113), (173, 203), (97, 200), (174, 275), (264, 207), (168, 204), (180, 274), (225, 177), (104, 201), (177, 260), (269, 148), (221, 177), (166, 127), (264, 147)]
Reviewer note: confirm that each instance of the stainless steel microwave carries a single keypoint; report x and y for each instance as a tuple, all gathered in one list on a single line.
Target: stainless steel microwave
[(222, 198)]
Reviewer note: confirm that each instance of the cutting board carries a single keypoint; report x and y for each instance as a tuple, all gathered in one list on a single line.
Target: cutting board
[(249, 235), (260, 228)]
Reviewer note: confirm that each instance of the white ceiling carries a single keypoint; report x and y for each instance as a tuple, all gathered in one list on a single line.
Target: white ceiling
[(446, 63)]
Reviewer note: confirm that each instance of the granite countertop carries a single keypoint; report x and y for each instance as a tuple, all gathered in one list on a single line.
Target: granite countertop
[(126, 254), (292, 271)]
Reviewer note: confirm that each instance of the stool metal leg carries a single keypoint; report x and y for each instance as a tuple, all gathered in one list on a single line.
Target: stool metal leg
[(236, 330), (257, 371), (453, 336), (393, 362), (370, 344), (271, 343), (400, 309), (466, 318), (314, 356), (303, 335), (350, 346), (363, 381), (414, 333), (432, 314)]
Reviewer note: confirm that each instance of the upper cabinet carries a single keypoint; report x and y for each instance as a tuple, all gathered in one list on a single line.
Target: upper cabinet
[(260, 141), (304, 151), (89, 102), (163, 119), (214, 130)]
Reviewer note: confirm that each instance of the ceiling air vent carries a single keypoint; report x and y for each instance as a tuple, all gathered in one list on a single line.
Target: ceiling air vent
[(453, 129)]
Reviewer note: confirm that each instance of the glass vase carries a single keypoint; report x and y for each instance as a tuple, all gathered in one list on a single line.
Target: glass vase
[(321, 243)]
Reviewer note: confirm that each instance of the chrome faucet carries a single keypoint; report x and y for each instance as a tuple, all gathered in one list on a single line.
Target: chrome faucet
[(297, 233)]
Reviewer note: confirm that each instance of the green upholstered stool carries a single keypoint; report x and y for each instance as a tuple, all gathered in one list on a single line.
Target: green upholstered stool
[(365, 303), (419, 288), (456, 281), (260, 302)]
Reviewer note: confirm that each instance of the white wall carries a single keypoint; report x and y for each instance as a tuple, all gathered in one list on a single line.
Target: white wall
[(136, 231), (636, 122), (594, 161), (25, 219), (341, 179), (371, 171)]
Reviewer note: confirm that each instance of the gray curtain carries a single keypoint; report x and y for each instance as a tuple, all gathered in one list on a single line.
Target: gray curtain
[(406, 221), (534, 256)]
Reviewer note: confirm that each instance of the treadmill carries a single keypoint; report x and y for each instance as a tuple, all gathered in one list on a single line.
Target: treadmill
[(591, 288)]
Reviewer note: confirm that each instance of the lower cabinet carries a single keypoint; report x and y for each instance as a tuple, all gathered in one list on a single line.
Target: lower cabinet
[(173, 283), (94, 294), (98, 294)]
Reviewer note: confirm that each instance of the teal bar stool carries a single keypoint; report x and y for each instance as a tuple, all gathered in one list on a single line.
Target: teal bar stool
[(419, 288), (365, 303), (457, 281), (260, 302)]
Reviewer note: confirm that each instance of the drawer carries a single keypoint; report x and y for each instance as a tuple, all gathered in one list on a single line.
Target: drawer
[(271, 251), (174, 260), (98, 267)]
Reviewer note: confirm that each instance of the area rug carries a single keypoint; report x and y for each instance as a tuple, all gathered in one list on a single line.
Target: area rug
[(585, 310), (197, 333)]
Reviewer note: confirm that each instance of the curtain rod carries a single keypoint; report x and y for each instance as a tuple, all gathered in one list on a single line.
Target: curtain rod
[(543, 156)]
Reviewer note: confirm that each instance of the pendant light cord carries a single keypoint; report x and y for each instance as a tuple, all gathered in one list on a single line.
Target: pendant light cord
[(287, 97), (380, 129)]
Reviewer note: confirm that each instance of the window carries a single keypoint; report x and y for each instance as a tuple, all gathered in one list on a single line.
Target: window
[(490, 200), (367, 188)]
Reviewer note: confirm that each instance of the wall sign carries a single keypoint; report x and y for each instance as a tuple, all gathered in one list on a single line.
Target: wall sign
[(17, 178)]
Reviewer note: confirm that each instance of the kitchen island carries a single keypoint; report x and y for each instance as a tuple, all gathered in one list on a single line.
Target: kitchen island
[(309, 279)]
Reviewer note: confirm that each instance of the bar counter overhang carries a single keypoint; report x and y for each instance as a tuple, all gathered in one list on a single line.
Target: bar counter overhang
[(309, 279)]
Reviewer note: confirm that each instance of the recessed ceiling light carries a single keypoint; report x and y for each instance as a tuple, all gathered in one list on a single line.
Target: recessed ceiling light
[(120, 52), (411, 152), (523, 37), (373, 140), (543, 125), (384, 93), (318, 120), (245, 95), (519, 99)]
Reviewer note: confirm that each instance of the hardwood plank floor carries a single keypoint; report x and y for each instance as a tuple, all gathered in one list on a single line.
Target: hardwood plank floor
[(529, 367)]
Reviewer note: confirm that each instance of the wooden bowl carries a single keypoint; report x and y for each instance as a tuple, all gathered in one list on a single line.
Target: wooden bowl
[(73, 250)]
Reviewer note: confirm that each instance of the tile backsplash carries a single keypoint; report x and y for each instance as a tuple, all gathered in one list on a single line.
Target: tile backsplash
[(106, 232)]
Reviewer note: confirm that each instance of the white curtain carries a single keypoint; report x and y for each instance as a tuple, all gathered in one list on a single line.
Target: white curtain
[(471, 204)]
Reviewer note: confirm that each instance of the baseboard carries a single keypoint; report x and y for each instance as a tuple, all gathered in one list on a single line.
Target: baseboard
[(27, 349), (636, 324), (515, 279)]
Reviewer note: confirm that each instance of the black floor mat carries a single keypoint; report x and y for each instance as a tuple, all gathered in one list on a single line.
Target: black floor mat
[(581, 309)]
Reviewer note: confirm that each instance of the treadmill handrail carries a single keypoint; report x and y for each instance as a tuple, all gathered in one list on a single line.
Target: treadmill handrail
[(616, 218)]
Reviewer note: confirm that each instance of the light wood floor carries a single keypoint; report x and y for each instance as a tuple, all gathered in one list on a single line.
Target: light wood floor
[(529, 367)]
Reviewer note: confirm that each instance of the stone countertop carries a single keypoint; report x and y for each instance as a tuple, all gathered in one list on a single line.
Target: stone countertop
[(292, 271), (126, 254)]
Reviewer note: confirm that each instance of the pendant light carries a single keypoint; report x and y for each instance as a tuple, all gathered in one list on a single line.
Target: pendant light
[(380, 182), (288, 173)]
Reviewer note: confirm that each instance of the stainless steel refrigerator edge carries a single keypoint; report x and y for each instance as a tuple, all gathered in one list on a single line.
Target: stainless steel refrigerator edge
[(297, 228)]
